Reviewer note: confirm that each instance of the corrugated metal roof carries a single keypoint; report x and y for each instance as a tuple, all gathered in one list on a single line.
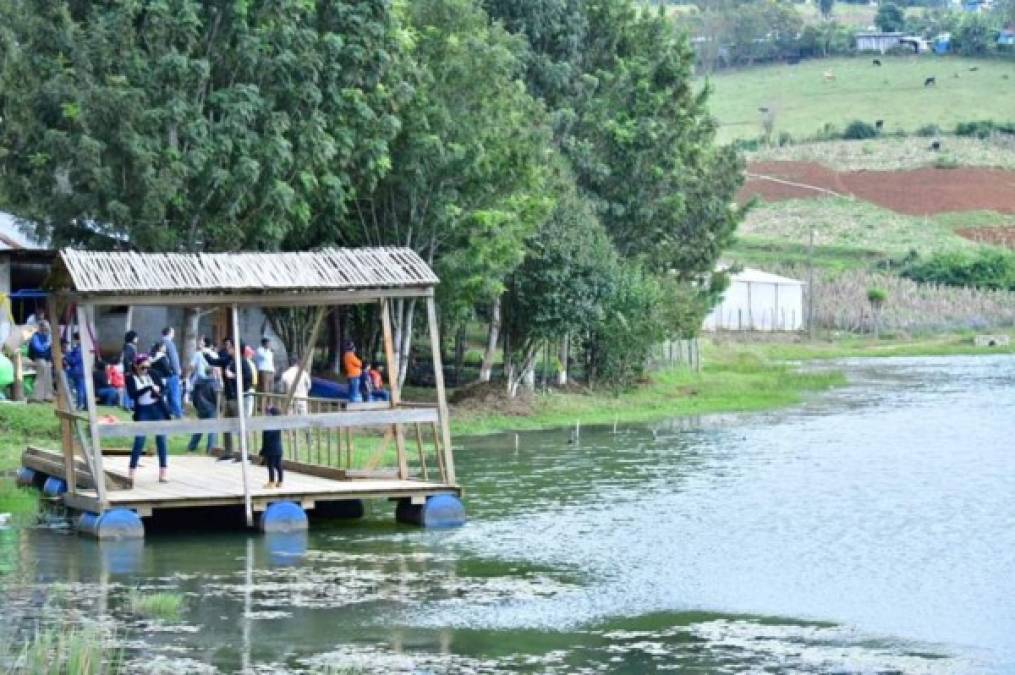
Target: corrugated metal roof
[(757, 276), (331, 269)]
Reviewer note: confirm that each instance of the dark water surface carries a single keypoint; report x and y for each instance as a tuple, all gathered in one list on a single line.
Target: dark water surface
[(870, 530)]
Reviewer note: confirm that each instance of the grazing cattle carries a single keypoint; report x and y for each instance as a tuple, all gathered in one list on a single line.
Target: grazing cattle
[(879, 125), (930, 82), (877, 62), (936, 145), (973, 69), (762, 110), (828, 75)]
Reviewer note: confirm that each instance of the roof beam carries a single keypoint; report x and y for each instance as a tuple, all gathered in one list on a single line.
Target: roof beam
[(266, 299)]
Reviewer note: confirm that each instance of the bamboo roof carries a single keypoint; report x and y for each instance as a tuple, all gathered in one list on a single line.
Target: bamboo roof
[(336, 269)]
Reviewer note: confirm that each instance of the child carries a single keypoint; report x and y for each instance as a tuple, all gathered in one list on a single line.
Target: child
[(271, 450)]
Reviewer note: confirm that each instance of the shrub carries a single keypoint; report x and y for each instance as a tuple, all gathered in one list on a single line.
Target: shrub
[(859, 130), (987, 268), (785, 138), (164, 606), (929, 130), (984, 128), (946, 162), (876, 296)]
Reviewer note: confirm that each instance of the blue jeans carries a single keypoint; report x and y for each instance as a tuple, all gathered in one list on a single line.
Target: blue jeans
[(355, 395), (380, 395), (77, 383), (174, 396), (148, 413), (107, 396)]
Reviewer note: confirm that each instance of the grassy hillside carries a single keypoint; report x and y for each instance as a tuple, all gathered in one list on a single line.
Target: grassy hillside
[(893, 154), (851, 233), (804, 101)]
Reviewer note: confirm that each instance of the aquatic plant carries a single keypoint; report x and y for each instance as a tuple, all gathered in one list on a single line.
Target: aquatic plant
[(163, 605), (56, 651), (21, 503)]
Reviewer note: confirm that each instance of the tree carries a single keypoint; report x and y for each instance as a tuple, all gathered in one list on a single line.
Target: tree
[(876, 297), (191, 124), (890, 18), (465, 187), (974, 35), (826, 7)]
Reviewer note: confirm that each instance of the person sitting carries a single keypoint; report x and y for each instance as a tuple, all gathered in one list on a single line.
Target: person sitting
[(114, 374), (271, 450), (148, 407), (105, 392), (377, 391)]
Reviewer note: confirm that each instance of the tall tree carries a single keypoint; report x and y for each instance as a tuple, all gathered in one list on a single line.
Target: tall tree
[(466, 181), (191, 124)]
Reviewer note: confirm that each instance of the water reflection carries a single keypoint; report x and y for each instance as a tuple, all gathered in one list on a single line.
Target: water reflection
[(868, 530)]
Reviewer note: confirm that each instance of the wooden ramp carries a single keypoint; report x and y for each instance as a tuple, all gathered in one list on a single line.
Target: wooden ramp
[(200, 481)]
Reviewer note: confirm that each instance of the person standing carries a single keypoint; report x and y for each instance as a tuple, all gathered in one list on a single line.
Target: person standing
[(40, 351), (74, 367), (353, 372), (234, 398), (271, 450), (174, 395), (203, 394), (129, 355), (264, 359), (148, 407)]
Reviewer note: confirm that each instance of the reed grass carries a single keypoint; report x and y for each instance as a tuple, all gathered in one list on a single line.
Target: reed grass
[(62, 651), (163, 606)]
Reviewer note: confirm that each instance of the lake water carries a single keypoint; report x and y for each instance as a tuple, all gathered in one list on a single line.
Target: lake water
[(870, 530)]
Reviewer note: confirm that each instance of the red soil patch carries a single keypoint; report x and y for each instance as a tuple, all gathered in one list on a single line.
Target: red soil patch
[(998, 236), (919, 192)]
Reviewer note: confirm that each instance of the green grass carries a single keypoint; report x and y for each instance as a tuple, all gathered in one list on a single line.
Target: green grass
[(163, 606), (21, 503), (804, 101), (59, 651), (891, 153), (952, 344), (737, 382), (849, 233)]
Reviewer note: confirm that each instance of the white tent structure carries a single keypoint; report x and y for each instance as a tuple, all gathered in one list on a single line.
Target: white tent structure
[(759, 301)]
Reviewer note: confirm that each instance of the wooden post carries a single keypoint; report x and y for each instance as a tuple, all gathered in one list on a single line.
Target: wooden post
[(241, 413), (395, 398), (308, 355), (88, 359), (19, 376), (442, 401), (62, 397)]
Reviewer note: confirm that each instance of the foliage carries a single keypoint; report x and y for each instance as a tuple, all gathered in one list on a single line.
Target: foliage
[(986, 268), (55, 651), (984, 128), (163, 605), (826, 39), (826, 7), (890, 18), (876, 296), (22, 503), (192, 124), (859, 130), (975, 35)]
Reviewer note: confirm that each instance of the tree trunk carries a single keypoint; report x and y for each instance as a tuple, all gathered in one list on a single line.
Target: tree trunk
[(335, 342), (562, 357), (191, 319), (460, 336), (404, 312), (486, 369), (525, 373)]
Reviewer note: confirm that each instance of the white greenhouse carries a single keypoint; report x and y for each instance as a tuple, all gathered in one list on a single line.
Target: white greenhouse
[(761, 301)]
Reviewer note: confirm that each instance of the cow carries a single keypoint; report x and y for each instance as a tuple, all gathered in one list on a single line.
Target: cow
[(877, 62), (930, 82)]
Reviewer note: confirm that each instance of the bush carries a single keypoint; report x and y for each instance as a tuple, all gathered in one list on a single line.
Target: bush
[(859, 130), (946, 162), (929, 131), (987, 268), (785, 138), (984, 128)]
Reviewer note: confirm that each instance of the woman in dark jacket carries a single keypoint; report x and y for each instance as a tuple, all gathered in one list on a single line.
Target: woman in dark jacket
[(271, 450), (148, 407)]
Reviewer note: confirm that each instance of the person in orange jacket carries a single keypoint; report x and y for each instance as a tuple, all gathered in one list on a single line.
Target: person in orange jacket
[(353, 371)]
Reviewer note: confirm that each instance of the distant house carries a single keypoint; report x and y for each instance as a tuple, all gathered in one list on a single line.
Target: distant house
[(976, 5), (24, 265), (1006, 38), (759, 301), (883, 42)]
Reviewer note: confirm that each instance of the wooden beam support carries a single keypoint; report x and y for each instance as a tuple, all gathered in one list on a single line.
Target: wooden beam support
[(395, 397), (307, 360), (88, 348), (314, 299), (64, 402), (241, 413), (345, 419), (442, 399)]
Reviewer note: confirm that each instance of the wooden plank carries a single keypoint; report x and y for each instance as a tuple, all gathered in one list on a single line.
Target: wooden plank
[(54, 462), (64, 402), (442, 400), (389, 357), (241, 412), (267, 299), (364, 418), (88, 360)]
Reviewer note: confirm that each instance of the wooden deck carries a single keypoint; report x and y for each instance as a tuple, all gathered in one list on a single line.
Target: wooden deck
[(199, 481)]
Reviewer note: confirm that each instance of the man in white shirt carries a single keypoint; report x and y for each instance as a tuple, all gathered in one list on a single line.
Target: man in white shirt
[(264, 360)]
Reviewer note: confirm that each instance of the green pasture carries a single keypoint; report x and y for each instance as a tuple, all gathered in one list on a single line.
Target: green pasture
[(804, 101)]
